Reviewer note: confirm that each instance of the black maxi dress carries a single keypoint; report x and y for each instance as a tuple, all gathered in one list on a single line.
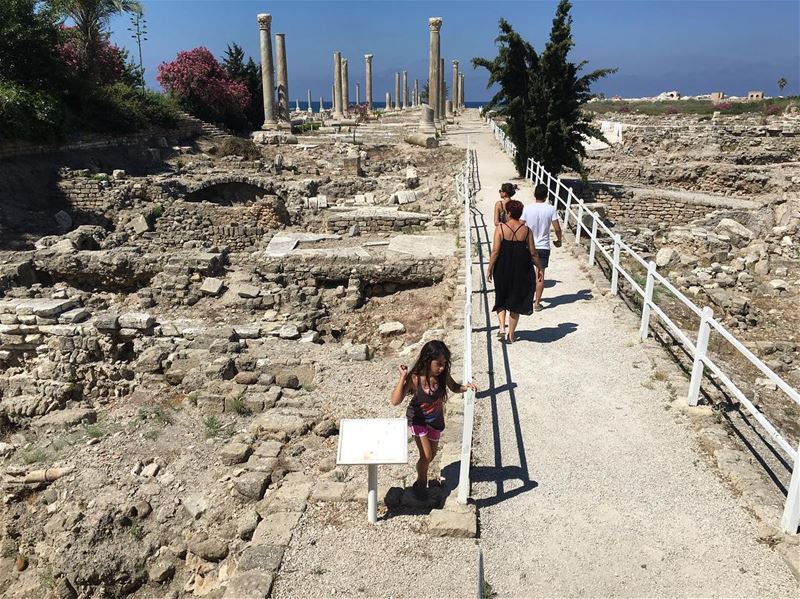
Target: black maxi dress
[(514, 278)]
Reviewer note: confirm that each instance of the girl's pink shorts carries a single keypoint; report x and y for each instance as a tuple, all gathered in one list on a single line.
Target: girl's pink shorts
[(423, 430)]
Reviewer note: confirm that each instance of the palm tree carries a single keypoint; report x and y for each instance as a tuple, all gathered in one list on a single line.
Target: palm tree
[(92, 16), (782, 83)]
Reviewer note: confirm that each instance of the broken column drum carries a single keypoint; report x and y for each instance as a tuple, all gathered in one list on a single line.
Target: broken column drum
[(337, 85), (368, 63), (434, 27), (283, 76), (267, 71), (388, 101), (426, 124), (309, 101)]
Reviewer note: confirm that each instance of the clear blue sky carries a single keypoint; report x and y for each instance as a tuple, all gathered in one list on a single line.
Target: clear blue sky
[(694, 46)]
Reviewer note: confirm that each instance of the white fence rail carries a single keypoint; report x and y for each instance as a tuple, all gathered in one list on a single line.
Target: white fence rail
[(563, 198), (467, 184)]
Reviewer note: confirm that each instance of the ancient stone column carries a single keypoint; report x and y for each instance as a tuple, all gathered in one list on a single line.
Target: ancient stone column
[(397, 91), (283, 77), (368, 61), (321, 104), (388, 101), (337, 86), (358, 94), (267, 71), (442, 93), (416, 92), (345, 89), (333, 97), (309, 102), (405, 89), (434, 27), (461, 91), (454, 90), (426, 124)]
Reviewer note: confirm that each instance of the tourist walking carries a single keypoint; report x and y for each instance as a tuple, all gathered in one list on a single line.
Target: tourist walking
[(511, 266), (427, 382), (539, 216), (507, 191)]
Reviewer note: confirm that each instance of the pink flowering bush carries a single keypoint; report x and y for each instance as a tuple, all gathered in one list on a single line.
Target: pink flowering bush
[(202, 86), (103, 63), (723, 106), (671, 110)]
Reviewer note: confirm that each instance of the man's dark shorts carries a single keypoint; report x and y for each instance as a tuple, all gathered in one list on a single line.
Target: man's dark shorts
[(544, 258)]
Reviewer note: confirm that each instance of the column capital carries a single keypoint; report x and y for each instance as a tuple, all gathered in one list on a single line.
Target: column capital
[(435, 23), (455, 63), (264, 21), (368, 57)]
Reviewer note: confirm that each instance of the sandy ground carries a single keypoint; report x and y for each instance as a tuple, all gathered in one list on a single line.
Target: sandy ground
[(587, 485)]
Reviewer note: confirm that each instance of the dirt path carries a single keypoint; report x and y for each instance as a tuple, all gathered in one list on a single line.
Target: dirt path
[(586, 484)]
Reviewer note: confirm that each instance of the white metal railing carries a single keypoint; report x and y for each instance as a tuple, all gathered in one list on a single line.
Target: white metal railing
[(500, 135), (563, 198), (466, 186)]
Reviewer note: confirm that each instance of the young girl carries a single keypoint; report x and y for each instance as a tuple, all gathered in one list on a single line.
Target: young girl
[(427, 382)]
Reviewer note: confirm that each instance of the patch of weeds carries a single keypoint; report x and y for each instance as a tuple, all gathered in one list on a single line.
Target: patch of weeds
[(667, 407), (157, 211), (99, 177), (152, 434), (238, 405), (487, 592), (318, 570), (660, 375), (136, 531), (648, 385), (94, 431), (213, 426), (156, 413), (308, 387), (192, 398), (179, 164), (34, 456), (673, 392), (46, 578)]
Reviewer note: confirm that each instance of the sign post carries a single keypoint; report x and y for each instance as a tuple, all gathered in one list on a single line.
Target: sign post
[(370, 442)]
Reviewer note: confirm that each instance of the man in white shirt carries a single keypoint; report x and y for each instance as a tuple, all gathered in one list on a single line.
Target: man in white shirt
[(539, 216)]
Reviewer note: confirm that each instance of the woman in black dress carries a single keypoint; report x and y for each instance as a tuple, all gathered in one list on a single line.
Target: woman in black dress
[(513, 256)]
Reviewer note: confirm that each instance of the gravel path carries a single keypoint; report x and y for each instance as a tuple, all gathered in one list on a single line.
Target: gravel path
[(587, 485)]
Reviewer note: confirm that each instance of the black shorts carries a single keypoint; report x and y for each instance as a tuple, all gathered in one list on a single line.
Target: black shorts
[(544, 258)]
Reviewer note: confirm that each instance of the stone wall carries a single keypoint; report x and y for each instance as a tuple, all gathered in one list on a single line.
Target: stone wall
[(186, 129), (375, 220), (636, 207), (237, 227)]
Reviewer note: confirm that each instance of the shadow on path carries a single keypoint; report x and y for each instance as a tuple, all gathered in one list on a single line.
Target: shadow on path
[(568, 298), (547, 334), (498, 473)]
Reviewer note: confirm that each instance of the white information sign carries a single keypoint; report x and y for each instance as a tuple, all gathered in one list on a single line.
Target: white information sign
[(373, 441)]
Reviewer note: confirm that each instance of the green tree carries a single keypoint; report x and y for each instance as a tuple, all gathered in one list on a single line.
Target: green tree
[(425, 92), (541, 95), (782, 83), (91, 18), (514, 68), (248, 73), (29, 36)]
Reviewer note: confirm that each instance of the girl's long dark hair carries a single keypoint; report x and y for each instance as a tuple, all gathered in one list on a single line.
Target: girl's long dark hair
[(431, 351)]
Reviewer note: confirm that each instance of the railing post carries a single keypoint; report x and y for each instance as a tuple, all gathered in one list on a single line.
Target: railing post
[(703, 334), (647, 300), (791, 509), (567, 207), (593, 240), (558, 191), (579, 224), (615, 265)]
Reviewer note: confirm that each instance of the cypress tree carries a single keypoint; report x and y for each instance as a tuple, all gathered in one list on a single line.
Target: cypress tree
[(541, 96), (556, 126), (514, 68)]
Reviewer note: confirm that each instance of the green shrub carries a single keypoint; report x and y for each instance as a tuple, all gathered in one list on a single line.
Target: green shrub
[(236, 146), (120, 108), (29, 114)]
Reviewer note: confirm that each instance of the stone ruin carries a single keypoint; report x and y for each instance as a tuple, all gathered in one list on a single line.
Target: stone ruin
[(181, 325)]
